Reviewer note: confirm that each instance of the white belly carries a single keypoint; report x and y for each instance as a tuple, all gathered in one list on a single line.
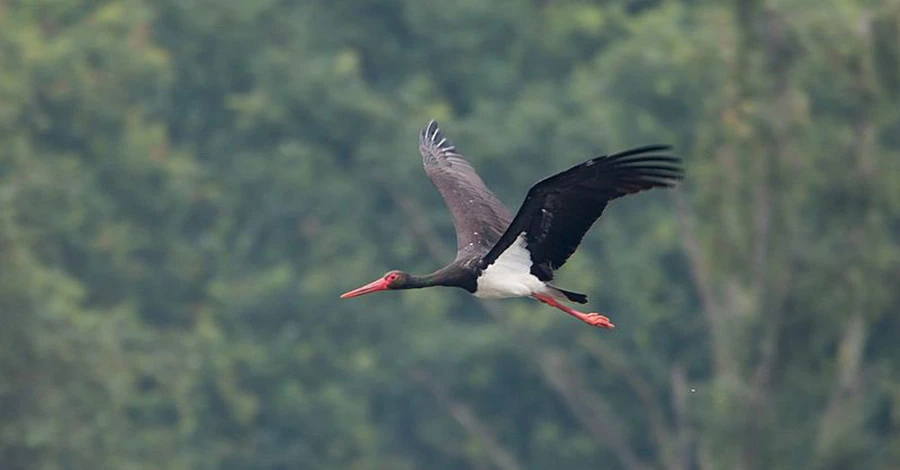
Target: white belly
[(510, 275)]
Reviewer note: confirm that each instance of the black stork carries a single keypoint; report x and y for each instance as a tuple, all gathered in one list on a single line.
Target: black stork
[(500, 256)]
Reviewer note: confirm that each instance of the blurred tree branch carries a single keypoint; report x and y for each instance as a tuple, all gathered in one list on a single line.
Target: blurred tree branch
[(462, 414)]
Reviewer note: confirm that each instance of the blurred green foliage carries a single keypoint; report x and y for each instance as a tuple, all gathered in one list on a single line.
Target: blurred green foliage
[(187, 186)]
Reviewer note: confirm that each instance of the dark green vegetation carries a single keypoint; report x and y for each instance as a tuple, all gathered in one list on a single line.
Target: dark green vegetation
[(187, 186)]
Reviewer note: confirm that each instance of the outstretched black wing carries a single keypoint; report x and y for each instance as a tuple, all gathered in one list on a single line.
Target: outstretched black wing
[(479, 217), (559, 210)]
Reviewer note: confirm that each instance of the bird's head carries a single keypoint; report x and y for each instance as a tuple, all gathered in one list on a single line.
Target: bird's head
[(391, 280)]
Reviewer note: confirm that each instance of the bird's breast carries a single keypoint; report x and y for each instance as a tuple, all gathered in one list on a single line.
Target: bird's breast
[(510, 274)]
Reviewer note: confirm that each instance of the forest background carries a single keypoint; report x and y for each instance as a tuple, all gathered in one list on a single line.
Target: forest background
[(186, 186)]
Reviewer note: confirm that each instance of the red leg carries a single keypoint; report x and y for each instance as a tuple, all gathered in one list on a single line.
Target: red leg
[(593, 319)]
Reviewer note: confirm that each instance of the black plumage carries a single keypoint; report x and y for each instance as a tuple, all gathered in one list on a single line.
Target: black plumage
[(559, 210)]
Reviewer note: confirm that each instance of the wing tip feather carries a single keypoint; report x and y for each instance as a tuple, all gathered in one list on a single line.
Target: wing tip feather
[(433, 141), (657, 169)]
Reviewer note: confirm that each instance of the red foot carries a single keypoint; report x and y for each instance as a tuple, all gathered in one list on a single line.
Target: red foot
[(593, 319)]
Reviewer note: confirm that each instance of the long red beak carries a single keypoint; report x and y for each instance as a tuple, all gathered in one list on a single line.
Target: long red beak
[(374, 286)]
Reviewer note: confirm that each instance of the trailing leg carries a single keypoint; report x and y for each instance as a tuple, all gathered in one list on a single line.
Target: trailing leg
[(593, 319)]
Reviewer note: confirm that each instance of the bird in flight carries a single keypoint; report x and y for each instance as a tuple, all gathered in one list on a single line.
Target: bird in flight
[(500, 256)]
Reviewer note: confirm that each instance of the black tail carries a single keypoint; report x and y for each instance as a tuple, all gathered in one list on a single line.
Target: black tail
[(572, 296)]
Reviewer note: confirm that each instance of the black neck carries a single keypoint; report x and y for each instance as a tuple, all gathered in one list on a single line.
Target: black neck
[(450, 276)]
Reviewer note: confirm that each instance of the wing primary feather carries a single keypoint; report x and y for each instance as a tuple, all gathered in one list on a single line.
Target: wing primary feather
[(478, 216), (559, 210)]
